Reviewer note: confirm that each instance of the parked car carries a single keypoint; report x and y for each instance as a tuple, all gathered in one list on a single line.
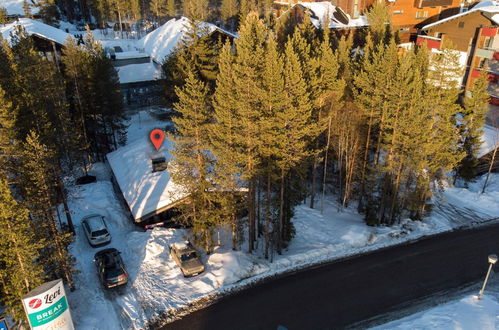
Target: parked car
[(112, 272), (187, 258), (96, 230)]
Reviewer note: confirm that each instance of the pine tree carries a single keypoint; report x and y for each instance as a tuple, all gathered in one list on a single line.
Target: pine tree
[(8, 150), (40, 188), (48, 12), (296, 131), (274, 103), (241, 98), (37, 91), (27, 9), (3, 16), (19, 250), (160, 8), (197, 53), (76, 61), (196, 10), (192, 162), (228, 13), (379, 19), (171, 8), (473, 118)]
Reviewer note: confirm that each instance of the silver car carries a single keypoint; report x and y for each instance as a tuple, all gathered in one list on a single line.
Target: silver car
[(96, 230), (187, 258)]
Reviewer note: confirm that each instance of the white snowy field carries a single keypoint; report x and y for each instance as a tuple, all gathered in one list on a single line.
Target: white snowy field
[(468, 313), (156, 285)]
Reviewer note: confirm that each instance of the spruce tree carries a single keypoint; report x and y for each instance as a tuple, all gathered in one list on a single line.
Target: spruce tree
[(171, 8), (241, 98), (39, 183), (3, 16), (274, 103), (296, 131), (19, 253), (192, 162), (196, 10), (160, 8), (473, 115), (228, 13), (223, 143)]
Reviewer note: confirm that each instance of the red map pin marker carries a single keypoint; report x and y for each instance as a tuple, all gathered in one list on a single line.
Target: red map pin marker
[(157, 137)]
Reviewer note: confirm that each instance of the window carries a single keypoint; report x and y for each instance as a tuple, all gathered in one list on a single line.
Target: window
[(460, 25), (421, 14), (398, 12), (487, 43)]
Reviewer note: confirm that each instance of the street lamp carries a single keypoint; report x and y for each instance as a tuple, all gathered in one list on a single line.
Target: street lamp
[(492, 261)]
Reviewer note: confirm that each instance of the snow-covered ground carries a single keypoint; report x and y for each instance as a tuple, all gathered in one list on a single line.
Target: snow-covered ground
[(15, 7), (468, 313), (156, 285)]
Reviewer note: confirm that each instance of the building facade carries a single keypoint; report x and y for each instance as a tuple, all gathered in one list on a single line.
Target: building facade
[(475, 35), (410, 15)]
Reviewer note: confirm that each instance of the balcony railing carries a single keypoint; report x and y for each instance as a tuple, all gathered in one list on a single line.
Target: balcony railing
[(431, 3), (431, 42), (489, 31), (492, 77), (485, 53)]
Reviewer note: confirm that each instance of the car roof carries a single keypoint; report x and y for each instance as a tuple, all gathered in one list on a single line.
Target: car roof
[(184, 246), (106, 251), (95, 222)]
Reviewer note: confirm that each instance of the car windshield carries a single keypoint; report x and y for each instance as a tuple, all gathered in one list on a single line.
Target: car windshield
[(98, 233), (113, 272), (188, 256)]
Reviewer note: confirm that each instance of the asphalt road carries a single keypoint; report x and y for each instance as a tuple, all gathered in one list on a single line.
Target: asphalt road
[(341, 293)]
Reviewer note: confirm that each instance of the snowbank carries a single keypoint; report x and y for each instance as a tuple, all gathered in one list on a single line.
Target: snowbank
[(467, 313), (37, 28)]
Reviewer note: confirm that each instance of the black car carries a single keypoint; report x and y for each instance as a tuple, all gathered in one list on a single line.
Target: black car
[(111, 270)]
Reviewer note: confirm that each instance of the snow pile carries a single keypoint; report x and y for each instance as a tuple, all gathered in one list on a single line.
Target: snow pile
[(467, 313), (37, 28), (145, 191), (139, 72), (15, 7)]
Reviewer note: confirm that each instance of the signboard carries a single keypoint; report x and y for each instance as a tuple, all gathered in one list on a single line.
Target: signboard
[(47, 307), (3, 324)]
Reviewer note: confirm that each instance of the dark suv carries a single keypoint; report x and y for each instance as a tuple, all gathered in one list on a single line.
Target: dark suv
[(111, 270)]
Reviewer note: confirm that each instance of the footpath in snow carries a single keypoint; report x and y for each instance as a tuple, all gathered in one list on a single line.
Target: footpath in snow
[(156, 286)]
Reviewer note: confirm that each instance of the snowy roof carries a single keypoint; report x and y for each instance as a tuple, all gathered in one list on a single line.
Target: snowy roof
[(490, 140), (37, 28), (139, 72), (487, 6), (162, 41), (144, 191), (15, 7), (338, 19)]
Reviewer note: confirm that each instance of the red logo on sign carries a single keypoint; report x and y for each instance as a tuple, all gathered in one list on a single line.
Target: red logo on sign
[(35, 303)]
